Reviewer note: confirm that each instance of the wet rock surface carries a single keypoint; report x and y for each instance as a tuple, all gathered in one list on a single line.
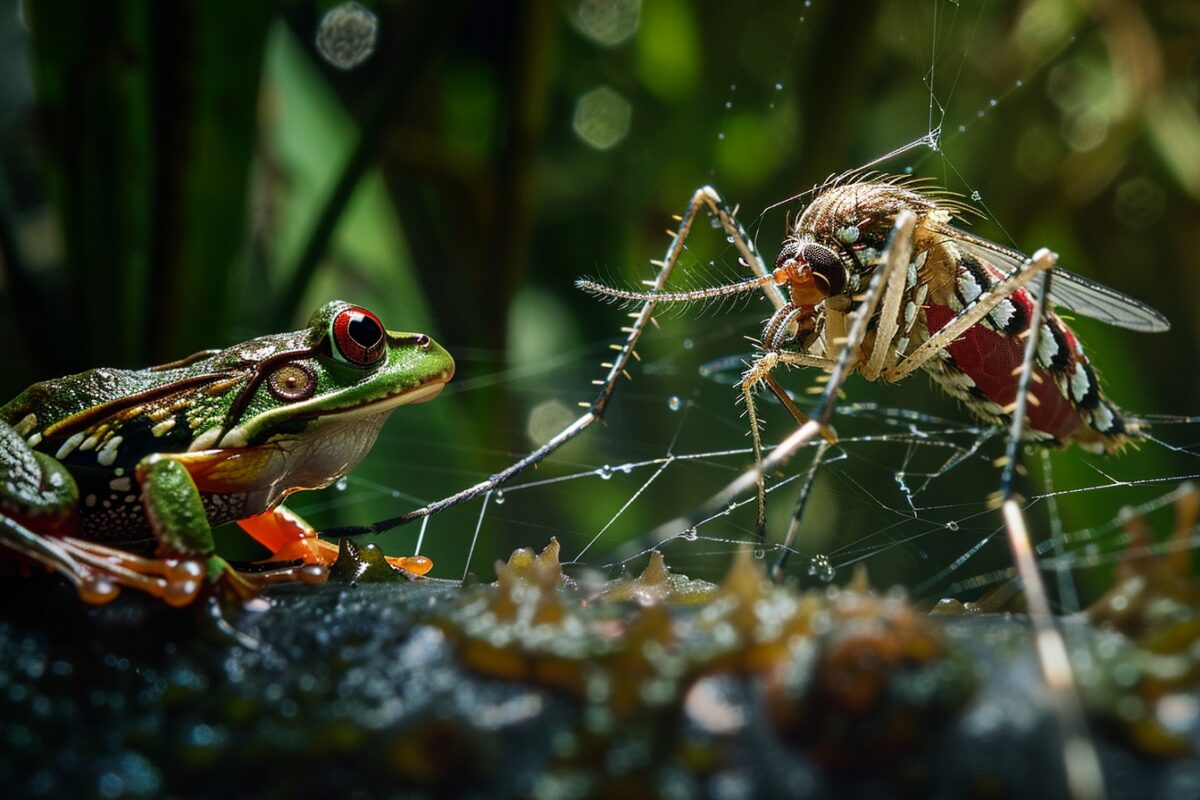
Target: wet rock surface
[(537, 686)]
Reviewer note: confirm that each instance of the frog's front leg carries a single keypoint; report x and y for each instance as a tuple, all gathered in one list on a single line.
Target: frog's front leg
[(290, 538), (177, 517)]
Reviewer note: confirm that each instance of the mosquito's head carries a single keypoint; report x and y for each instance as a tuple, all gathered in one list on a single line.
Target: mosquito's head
[(813, 271)]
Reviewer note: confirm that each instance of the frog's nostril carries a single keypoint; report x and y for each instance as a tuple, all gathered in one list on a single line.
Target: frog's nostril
[(422, 341)]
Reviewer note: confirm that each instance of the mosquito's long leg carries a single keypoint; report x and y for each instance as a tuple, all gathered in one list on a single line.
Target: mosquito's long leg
[(737, 236), (1081, 763), (1041, 261), (785, 552), (848, 356), (840, 368), (899, 257), (704, 198)]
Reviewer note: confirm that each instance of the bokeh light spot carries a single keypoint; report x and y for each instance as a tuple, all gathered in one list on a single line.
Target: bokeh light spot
[(607, 22), (346, 35), (602, 118)]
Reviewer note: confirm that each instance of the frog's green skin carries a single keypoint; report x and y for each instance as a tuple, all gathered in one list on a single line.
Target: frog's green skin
[(167, 452)]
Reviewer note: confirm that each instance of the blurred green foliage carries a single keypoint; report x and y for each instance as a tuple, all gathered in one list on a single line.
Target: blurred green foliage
[(176, 176)]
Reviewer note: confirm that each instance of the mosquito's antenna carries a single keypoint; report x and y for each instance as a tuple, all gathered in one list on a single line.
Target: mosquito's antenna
[(612, 294)]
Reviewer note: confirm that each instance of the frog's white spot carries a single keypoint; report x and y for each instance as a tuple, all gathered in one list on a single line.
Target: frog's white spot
[(107, 504), (89, 444), (1079, 383), (1003, 314), (1102, 418), (162, 427), (120, 484), (69, 446), (90, 501), (26, 425), (920, 259), (35, 440), (1047, 346), (968, 287), (108, 453), (131, 498), (119, 471)]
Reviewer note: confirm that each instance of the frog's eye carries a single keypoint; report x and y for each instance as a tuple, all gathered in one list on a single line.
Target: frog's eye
[(358, 337), (292, 382)]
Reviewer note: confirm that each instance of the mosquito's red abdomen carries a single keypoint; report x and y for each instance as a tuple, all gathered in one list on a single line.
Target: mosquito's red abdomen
[(988, 359)]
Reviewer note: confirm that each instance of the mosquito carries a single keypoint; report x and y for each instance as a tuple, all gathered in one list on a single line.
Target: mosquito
[(874, 277)]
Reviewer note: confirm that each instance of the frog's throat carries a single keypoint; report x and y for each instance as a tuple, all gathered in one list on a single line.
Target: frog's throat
[(241, 435)]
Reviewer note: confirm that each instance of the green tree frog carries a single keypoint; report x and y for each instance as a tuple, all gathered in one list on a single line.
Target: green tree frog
[(112, 457)]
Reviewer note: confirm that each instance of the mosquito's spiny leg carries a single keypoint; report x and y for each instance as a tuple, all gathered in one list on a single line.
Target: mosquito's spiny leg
[(743, 243), (899, 254), (1041, 261), (785, 553), (1081, 763)]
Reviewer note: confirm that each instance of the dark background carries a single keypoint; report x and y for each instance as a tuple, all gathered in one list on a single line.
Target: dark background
[(175, 176)]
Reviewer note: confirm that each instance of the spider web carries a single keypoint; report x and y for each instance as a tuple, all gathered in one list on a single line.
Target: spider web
[(904, 493)]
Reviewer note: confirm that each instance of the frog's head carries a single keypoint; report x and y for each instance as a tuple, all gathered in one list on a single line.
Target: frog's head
[(345, 368)]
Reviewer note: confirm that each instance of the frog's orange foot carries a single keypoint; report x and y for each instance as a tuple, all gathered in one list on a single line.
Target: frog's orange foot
[(290, 538), (99, 572)]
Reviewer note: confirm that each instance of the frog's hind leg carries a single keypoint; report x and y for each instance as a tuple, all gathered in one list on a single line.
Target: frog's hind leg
[(290, 538), (98, 572)]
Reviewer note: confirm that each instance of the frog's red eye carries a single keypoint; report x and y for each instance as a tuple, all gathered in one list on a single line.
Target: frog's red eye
[(358, 337), (292, 382)]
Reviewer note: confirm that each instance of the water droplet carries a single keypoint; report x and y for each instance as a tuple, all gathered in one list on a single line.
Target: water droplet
[(952, 525), (729, 239), (979, 113), (1018, 83), (721, 136), (962, 128), (992, 102), (688, 344), (691, 535), (729, 104), (808, 3), (626, 468), (604, 472), (733, 87), (820, 567), (760, 554), (908, 170), (976, 196), (778, 87), (341, 484), (498, 498), (674, 403)]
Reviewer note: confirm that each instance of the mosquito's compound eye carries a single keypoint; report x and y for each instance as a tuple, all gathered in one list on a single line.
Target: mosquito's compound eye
[(358, 337), (829, 274)]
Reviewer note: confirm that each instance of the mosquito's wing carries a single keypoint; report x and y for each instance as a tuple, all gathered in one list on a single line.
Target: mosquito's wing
[(1071, 291)]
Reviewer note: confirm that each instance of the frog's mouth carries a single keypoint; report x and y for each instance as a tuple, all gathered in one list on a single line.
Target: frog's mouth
[(313, 414)]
